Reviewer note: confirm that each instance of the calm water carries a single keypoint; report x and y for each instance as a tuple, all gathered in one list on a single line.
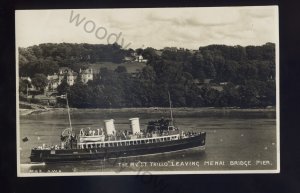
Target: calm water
[(232, 136)]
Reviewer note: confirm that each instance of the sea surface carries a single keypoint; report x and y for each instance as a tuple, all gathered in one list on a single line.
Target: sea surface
[(236, 140)]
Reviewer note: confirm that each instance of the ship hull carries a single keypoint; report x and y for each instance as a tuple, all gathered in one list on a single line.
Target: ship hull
[(71, 155)]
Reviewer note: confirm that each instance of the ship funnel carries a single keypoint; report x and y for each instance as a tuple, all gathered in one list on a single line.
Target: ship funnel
[(110, 127), (135, 125)]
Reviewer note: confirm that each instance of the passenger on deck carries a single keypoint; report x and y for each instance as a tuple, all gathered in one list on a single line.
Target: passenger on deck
[(90, 131)]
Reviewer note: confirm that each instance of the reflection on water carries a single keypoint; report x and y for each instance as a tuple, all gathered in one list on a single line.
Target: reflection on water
[(236, 140)]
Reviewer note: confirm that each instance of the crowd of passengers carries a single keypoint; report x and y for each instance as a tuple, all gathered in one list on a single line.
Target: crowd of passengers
[(72, 141)]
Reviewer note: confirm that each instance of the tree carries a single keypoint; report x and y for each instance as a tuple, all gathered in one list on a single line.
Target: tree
[(22, 86), (64, 87), (79, 66), (229, 97), (80, 96), (40, 81), (139, 51), (251, 70), (210, 96), (248, 96), (121, 69), (150, 54)]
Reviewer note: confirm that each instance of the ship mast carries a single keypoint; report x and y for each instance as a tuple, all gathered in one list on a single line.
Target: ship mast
[(171, 113), (69, 113)]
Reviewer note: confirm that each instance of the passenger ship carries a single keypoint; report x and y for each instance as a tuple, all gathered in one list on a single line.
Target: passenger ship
[(160, 136)]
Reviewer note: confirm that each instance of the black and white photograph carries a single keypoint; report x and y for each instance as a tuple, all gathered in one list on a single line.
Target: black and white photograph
[(141, 91)]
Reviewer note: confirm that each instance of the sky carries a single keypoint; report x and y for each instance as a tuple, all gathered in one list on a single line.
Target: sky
[(152, 27)]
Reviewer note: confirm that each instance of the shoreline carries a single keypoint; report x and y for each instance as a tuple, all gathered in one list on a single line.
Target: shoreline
[(28, 112)]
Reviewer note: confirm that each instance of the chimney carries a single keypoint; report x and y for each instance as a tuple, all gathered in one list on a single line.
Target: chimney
[(110, 127), (135, 125)]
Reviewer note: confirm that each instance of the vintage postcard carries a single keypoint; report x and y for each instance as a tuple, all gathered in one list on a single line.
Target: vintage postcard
[(147, 91)]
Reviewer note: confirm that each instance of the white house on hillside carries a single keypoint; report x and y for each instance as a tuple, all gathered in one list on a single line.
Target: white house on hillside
[(57, 78), (140, 58), (86, 75)]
